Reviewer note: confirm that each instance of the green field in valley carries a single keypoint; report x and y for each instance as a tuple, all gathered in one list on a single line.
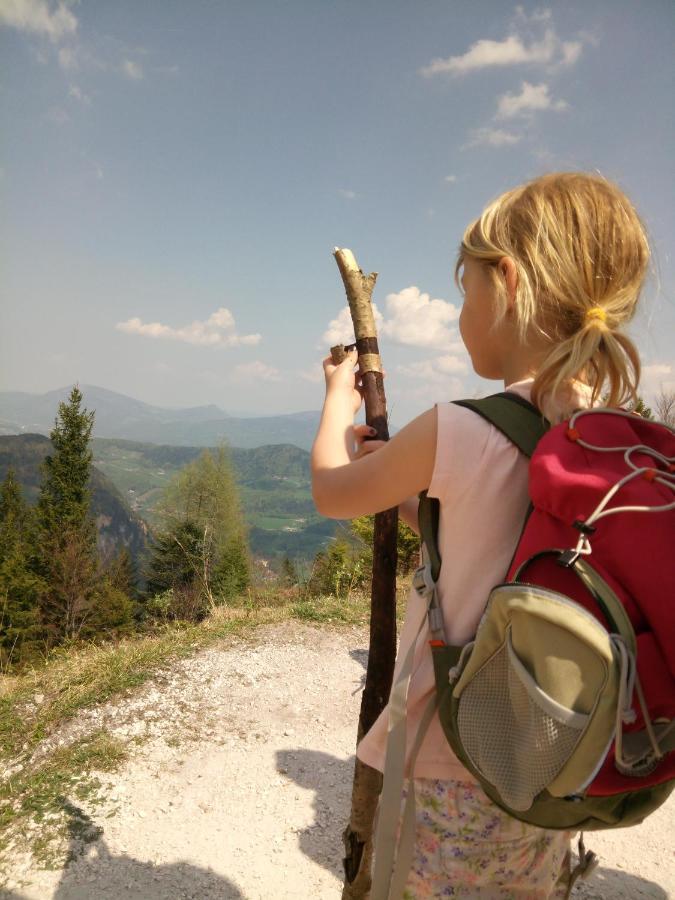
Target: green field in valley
[(274, 484)]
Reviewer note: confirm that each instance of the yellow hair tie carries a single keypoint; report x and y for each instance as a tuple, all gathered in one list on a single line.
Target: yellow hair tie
[(596, 312)]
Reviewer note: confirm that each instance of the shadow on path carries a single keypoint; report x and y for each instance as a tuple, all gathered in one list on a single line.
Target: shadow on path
[(104, 876), (613, 884), (330, 778)]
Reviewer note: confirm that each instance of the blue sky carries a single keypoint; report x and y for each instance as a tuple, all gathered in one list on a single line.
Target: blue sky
[(175, 175)]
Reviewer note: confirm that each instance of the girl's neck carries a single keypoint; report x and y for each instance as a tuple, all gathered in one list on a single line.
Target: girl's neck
[(521, 358), (518, 371)]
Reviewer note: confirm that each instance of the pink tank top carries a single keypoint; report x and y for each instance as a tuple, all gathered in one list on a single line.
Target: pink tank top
[(480, 479)]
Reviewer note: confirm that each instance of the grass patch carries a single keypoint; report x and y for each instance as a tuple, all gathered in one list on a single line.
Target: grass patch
[(42, 800), (352, 610)]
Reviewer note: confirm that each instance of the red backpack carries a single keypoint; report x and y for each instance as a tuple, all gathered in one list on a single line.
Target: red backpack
[(563, 705)]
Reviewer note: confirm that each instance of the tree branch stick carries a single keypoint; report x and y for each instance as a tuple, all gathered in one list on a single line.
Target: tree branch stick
[(382, 651)]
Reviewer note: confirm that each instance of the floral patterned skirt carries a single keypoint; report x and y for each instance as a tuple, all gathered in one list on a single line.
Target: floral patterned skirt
[(465, 846)]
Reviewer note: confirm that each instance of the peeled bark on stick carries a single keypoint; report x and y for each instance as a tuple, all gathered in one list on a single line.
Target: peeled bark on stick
[(382, 651)]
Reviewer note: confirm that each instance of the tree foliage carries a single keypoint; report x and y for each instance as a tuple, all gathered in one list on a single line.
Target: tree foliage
[(64, 492), (67, 558), (200, 557), (346, 563), (20, 587)]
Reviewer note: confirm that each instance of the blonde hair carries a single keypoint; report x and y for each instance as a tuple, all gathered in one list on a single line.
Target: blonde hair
[(581, 255)]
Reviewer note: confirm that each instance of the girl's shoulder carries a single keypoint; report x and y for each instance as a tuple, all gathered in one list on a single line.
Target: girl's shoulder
[(466, 445)]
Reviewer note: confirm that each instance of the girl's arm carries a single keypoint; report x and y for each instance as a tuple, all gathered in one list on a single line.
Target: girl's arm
[(344, 488), (408, 510)]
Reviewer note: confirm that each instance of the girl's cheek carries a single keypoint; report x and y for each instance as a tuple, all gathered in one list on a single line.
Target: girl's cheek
[(460, 325)]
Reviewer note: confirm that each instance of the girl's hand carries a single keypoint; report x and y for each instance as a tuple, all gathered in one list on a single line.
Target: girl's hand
[(362, 433), (343, 379)]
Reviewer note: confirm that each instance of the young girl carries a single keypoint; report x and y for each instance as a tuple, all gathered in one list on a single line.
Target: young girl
[(550, 273)]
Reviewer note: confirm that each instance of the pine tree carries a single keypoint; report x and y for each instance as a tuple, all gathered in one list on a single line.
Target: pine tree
[(13, 514), (64, 492), (19, 586), (122, 574), (68, 560)]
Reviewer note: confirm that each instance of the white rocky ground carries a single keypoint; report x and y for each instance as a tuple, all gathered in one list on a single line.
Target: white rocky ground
[(241, 787)]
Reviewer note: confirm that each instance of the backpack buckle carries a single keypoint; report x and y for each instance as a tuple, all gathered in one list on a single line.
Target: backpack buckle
[(567, 558), (422, 581)]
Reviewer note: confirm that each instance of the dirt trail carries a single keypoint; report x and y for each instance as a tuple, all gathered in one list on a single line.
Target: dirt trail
[(241, 787)]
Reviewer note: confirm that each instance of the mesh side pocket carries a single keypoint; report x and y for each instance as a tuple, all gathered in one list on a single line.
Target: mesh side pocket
[(517, 736)]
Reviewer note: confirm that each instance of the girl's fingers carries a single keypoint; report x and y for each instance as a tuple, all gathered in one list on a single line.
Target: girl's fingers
[(364, 431), (368, 447)]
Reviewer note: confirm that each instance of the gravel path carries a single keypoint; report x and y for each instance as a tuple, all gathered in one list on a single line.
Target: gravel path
[(241, 786)]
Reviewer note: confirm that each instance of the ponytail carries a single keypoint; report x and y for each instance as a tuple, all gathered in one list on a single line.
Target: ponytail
[(596, 355)]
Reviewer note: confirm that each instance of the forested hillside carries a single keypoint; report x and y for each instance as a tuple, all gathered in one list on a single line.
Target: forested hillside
[(117, 525), (274, 485), (128, 478)]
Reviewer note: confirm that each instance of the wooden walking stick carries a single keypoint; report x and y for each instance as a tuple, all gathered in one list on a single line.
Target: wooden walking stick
[(382, 652)]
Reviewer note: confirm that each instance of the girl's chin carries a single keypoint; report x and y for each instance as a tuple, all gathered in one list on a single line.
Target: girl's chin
[(490, 374)]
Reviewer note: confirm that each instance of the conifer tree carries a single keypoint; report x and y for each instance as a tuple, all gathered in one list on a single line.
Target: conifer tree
[(13, 514), (121, 573), (67, 534), (19, 586), (64, 492)]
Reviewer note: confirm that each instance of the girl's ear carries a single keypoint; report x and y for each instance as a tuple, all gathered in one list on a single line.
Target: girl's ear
[(509, 273)]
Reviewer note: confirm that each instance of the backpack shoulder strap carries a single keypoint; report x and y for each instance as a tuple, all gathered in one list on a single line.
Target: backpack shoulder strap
[(518, 420)]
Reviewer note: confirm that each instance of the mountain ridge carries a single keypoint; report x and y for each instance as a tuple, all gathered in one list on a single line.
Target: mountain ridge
[(121, 417)]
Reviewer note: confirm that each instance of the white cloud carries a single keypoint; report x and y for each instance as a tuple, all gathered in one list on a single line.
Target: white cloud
[(658, 377), (571, 51), (67, 57), (313, 374), (437, 369), (450, 179), (348, 195), (512, 51), (537, 15), (657, 369), (256, 371), (532, 98), (424, 394), (217, 330), (78, 94), (491, 137), (341, 331), (38, 17), (412, 319), (132, 69)]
